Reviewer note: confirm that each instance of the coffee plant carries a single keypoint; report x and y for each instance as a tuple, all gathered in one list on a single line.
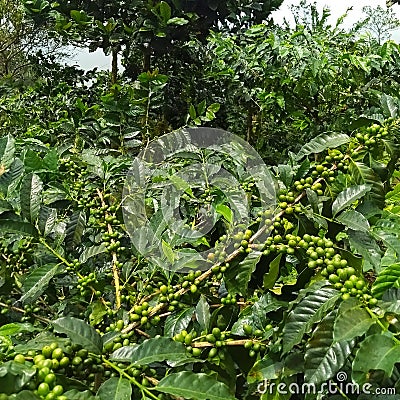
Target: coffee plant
[(304, 288), (145, 256)]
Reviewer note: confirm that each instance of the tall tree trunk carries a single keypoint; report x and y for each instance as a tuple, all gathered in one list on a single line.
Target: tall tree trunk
[(146, 61), (114, 66)]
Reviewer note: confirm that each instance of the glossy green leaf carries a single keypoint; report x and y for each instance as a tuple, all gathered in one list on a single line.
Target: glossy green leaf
[(348, 196), (352, 323), (37, 281), (256, 315), (177, 21), (266, 368), (23, 228), (30, 196), (238, 278), (202, 313), (115, 389), (190, 385), (14, 376), (79, 332), (7, 150), (92, 251), (321, 143), (177, 322), (388, 278), (365, 245), (225, 211), (75, 228), (16, 327), (324, 357), (46, 220), (152, 350), (354, 220), (271, 276), (305, 314), (75, 394), (364, 175), (376, 352), (165, 11)]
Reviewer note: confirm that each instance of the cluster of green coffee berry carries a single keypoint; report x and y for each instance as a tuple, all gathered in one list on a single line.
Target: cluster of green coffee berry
[(53, 360), (118, 341), (85, 285), (369, 136), (17, 256), (140, 314)]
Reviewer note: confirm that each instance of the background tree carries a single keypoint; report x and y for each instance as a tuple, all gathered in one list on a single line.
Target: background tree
[(140, 30), (21, 40), (380, 22)]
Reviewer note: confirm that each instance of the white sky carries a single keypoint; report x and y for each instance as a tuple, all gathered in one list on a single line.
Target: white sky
[(88, 60)]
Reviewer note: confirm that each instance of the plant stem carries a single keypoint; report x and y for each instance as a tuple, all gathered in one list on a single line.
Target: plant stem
[(130, 378)]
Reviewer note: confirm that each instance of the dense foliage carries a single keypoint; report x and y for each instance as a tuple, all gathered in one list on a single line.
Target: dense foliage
[(109, 291)]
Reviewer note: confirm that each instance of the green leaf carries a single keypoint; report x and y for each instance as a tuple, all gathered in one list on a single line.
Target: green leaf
[(201, 107), (180, 184), (363, 244), (26, 395), (265, 369), (91, 251), (46, 220), (364, 175), (388, 278), (214, 107), (115, 389), (98, 311), (16, 327), (165, 11), (190, 385), (152, 350), (352, 323), (321, 143), (7, 150), (23, 228), (50, 160), (177, 21), (272, 275), (177, 322), (238, 278), (11, 178), (390, 105), (75, 228), (79, 332), (75, 394), (324, 357), (30, 196), (168, 252), (390, 240), (354, 220), (256, 315), (192, 112), (14, 376), (348, 196), (308, 312), (37, 281), (225, 211), (32, 161), (376, 352), (202, 313)]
